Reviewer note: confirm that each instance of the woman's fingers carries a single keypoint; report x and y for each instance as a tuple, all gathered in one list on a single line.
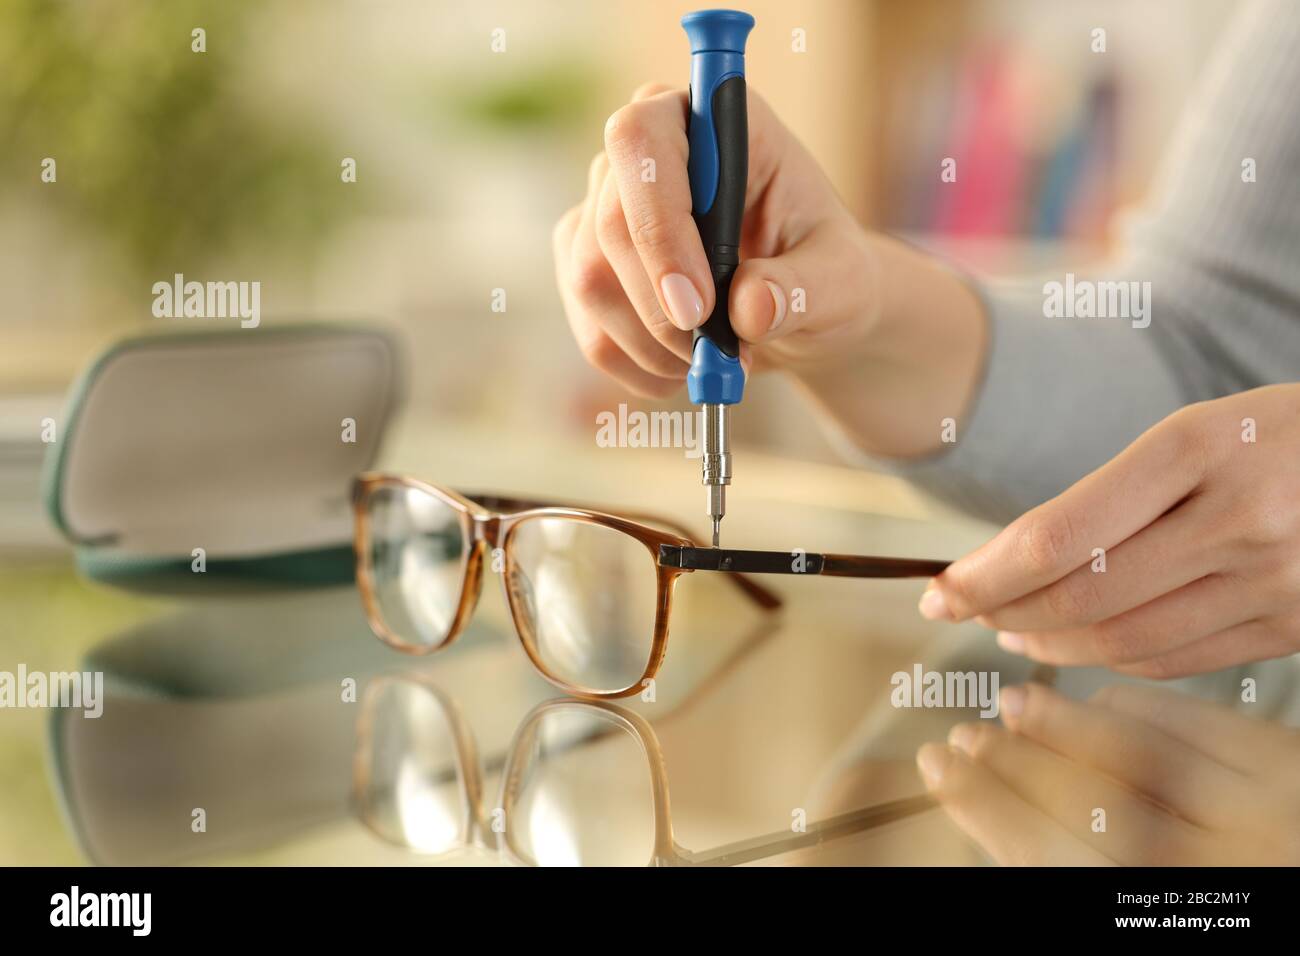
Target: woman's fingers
[(647, 149), (634, 275), (805, 287), (604, 354), (1246, 642), (645, 330), (1164, 556), (1100, 813), (1010, 830), (595, 302), (1139, 775), (1140, 755), (1244, 744), (1156, 628), (1044, 545)]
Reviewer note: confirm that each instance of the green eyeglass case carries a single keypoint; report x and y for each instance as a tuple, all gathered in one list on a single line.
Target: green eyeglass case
[(241, 443)]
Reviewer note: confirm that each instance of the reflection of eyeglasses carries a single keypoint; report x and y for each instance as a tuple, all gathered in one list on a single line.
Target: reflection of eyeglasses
[(589, 592), (583, 782)]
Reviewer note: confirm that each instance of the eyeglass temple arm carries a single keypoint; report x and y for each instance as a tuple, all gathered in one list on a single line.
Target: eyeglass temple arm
[(760, 595), (816, 835), (796, 562)]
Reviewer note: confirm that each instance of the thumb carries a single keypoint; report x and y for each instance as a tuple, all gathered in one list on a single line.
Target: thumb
[(808, 286)]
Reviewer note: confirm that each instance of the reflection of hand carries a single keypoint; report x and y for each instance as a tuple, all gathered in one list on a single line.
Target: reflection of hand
[(1181, 781), (1198, 520)]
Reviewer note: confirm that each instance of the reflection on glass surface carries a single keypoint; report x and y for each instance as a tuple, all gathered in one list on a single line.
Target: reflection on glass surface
[(584, 784), (415, 794), (234, 706), (1135, 775), (575, 808), (237, 706)]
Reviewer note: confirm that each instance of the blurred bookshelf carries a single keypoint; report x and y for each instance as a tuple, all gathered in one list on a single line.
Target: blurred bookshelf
[(1051, 136)]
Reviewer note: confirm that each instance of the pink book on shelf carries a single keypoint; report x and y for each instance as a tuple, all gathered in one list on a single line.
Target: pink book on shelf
[(986, 141)]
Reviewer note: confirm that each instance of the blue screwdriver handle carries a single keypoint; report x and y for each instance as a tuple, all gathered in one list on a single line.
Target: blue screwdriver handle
[(718, 168)]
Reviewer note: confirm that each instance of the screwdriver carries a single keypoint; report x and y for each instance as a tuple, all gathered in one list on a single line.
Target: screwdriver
[(718, 169)]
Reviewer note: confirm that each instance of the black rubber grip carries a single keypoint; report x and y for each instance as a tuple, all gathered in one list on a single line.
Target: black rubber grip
[(727, 559), (790, 562), (720, 226)]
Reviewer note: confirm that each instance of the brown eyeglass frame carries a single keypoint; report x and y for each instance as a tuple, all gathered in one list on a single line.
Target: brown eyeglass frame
[(489, 521)]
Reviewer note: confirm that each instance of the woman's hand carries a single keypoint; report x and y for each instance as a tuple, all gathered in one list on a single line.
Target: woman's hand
[(1181, 555), (886, 341), (1180, 781)]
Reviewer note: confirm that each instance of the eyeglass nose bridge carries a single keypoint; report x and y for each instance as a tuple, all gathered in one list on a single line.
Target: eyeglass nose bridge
[(486, 529), (484, 538)]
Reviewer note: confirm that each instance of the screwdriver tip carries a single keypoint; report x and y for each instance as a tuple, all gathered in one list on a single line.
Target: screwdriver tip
[(717, 527)]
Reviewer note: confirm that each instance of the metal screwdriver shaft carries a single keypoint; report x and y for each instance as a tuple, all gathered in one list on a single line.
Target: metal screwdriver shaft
[(716, 463)]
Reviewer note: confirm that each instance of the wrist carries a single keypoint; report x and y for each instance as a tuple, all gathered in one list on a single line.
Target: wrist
[(915, 355)]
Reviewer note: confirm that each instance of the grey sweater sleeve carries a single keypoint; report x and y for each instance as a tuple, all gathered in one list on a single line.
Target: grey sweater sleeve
[(1061, 396)]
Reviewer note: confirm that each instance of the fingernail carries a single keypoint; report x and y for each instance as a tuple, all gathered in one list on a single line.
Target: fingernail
[(962, 736), (778, 305), (685, 307), (1011, 642), (1011, 702), (934, 606), (932, 760)]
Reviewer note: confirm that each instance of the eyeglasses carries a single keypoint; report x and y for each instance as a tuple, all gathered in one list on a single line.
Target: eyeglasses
[(582, 783), (589, 593)]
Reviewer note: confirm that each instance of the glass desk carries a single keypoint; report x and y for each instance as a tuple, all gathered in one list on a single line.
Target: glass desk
[(278, 730)]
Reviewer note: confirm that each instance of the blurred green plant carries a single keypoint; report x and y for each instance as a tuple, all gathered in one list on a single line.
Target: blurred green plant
[(163, 151), (550, 95)]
